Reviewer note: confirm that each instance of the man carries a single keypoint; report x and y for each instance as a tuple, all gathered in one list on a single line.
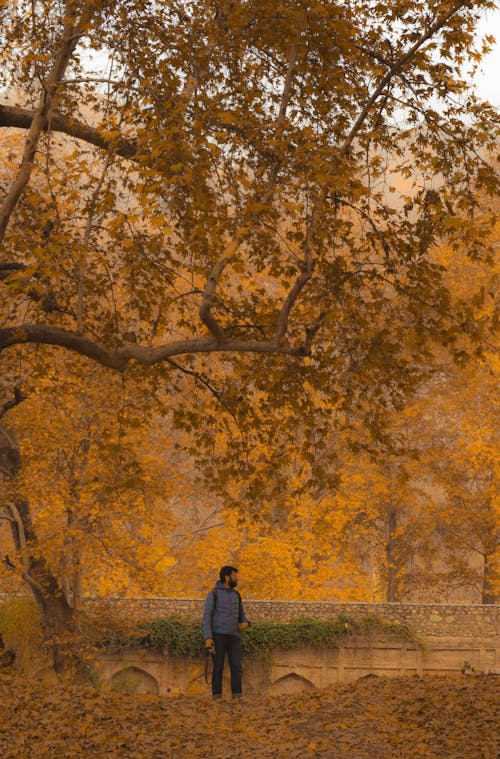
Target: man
[(223, 621)]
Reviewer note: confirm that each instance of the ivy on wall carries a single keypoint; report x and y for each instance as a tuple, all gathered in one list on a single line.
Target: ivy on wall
[(175, 637), (20, 624)]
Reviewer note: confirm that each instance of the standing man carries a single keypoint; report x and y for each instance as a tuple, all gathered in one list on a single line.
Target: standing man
[(223, 621)]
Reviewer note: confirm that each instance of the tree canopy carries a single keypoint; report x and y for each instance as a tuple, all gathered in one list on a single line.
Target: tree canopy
[(232, 179)]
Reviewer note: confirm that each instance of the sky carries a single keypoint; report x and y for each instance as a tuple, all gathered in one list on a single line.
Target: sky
[(488, 82), (488, 78)]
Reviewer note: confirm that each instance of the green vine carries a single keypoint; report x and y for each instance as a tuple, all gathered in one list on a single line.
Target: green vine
[(175, 637)]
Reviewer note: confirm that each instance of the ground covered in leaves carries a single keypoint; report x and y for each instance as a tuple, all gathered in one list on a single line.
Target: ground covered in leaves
[(376, 718)]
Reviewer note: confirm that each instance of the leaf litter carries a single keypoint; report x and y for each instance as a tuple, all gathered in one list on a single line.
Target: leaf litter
[(453, 717)]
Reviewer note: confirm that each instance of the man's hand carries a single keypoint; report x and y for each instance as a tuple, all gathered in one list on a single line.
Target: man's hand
[(209, 643), (243, 626)]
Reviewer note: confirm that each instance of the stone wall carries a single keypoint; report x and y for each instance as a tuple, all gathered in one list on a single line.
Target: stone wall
[(436, 620), (458, 638)]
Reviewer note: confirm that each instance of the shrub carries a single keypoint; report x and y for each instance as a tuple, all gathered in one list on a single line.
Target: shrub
[(178, 638)]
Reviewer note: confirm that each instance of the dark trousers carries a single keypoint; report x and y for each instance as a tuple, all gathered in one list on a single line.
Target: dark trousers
[(230, 645)]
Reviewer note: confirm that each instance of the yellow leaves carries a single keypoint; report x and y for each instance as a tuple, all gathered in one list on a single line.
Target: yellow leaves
[(227, 117), (155, 219), (129, 244), (421, 717)]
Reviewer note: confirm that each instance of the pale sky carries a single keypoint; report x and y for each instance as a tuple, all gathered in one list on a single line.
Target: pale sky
[(488, 78), (488, 82)]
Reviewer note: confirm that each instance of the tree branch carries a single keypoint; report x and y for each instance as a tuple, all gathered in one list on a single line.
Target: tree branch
[(40, 293), (394, 70), (70, 37), (118, 358), (208, 296), (6, 561), (19, 397), (22, 118), (16, 517), (298, 286), (199, 378)]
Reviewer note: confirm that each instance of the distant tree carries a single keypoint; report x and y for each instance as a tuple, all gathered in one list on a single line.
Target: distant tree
[(460, 459)]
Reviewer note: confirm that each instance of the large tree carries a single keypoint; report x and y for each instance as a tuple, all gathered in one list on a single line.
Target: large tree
[(190, 186)]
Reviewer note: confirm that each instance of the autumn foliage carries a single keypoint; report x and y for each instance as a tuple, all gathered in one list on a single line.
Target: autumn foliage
[(247, 300), (375, 717)]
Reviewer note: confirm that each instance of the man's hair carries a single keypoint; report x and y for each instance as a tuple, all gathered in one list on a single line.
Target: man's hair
[(226, 570)]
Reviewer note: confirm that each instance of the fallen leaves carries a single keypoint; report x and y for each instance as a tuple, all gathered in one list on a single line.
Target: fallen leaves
[(378, 718)]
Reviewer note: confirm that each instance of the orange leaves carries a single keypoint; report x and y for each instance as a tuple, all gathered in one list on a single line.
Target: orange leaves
[(99, 495), (261, 138), (425, 718)]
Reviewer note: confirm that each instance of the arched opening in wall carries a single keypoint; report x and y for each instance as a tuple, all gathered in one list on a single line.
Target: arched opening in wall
[(134, 680), (291, 683)]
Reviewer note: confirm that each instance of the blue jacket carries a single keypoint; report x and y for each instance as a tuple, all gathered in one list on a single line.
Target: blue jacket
[(228, 612)]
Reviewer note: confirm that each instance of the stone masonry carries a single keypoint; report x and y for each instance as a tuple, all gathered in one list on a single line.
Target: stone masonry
[(457, 638), (435, 620)]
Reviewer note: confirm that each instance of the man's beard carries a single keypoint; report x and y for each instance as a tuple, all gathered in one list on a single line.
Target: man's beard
[(233, 583)]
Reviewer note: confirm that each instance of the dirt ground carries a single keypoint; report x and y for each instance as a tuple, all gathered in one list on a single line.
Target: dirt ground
[(375, 718)]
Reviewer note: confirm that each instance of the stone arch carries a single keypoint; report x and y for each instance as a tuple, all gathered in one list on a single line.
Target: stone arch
[(292, 683), (134, 680)]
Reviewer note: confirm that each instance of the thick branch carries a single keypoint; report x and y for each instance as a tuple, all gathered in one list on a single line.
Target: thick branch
[(208, 298), (284, 103), (34, 584), (119, 358), (16, 517), (7, 270), (291, 298), (209, 293), (21, 118)]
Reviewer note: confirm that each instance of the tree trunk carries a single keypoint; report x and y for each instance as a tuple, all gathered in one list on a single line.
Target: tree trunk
[(58, 618), (392, 587), (488, 595)]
